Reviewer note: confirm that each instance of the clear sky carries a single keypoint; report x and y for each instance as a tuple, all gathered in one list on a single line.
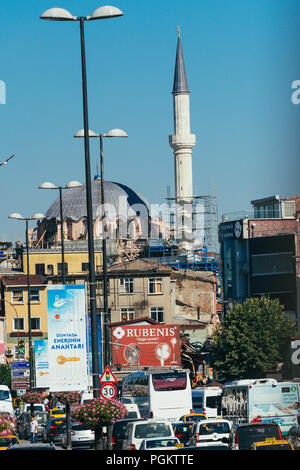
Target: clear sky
[(241, 57)]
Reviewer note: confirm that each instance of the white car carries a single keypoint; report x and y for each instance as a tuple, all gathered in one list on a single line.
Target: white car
[(160, 444), (210, 430), (137, 431), (81, 436)]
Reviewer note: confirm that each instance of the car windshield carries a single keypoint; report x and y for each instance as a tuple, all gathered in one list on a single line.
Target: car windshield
[(182, 429), (142, 431), (216, 427), (249, 434), (160, 443), (57, 412)]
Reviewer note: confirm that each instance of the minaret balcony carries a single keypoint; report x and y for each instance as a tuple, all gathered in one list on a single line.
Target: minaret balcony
[(182, 141)]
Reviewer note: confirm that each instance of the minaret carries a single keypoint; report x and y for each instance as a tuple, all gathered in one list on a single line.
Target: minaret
[(182, 142)]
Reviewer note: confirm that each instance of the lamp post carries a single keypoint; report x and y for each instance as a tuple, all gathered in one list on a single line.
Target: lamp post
[(92, 134), (60, 14), (34, 217), (49, 185)]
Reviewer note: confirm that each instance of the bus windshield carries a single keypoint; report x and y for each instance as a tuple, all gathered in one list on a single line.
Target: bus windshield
[(4, 395), (169, 381)]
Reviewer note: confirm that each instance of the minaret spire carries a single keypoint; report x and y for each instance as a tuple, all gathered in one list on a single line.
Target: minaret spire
[(182, 142)]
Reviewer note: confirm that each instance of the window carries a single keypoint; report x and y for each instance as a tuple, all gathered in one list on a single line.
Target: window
[(34, 295), (127, 314), (157, 314), (155, 285), (126, 285), (50, 269), (18, 324), (59, 268), (84, 266), (17, 295), (40, 269), (35, 323)]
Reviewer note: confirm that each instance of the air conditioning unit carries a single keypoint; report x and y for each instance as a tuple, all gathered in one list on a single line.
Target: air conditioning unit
[(9, 352), (288, 209)]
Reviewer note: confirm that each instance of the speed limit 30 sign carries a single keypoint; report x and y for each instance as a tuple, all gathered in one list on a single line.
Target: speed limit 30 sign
[(109, 391)]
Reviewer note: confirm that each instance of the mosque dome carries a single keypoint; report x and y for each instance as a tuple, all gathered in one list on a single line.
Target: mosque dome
[(120, 202)]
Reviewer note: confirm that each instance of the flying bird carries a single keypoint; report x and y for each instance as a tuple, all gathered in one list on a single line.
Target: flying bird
[(5, 162)]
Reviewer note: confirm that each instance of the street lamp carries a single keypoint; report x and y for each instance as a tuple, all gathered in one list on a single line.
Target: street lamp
[(34, 217), (111, 133), (49, 185), (60, 14)]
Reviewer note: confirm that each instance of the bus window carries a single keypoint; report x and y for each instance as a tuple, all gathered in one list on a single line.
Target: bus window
[(169, 381)]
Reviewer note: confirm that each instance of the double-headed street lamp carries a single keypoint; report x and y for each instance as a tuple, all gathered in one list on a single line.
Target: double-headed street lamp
[(27, 219), (111, 133), (60, 14), (49, 185)]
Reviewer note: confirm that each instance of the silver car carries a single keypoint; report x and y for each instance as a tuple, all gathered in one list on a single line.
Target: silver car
[(81, 436)]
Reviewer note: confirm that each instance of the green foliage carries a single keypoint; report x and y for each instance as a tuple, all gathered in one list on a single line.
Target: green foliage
[(5, 375), (251, 338)]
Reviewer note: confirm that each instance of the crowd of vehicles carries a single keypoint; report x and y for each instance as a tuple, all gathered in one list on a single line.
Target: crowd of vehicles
[(165, 413)]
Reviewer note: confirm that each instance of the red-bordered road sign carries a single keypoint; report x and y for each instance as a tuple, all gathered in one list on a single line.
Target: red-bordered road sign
[(108, 376), (108, 391)]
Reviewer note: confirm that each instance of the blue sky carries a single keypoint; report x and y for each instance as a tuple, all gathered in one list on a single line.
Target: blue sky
[(241, 58)]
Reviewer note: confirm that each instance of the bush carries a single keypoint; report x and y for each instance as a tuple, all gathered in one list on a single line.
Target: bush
[(32, 397), (7, 425), (99, 412), (73, 398)]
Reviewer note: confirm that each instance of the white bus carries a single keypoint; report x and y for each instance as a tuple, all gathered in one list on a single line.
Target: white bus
[(246, 400), (163, 394), (207, 400)]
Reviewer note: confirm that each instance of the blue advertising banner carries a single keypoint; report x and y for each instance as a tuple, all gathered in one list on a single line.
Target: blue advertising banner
[(41, 363), (67, 337)]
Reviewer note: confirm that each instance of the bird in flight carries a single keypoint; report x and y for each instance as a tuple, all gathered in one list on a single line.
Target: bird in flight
[(5, 161)]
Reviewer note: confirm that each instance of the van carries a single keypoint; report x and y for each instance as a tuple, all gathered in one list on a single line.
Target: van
[(26, 407), (137, 431), (132, 410), (207, 400), (6, 404), (85, 397), (210, 430), (245, 434)]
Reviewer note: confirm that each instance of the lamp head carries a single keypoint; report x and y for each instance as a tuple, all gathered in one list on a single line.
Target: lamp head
[(58, 14), (115, 133), (47, 185), (105, 12), (81, 133), (15, 215)]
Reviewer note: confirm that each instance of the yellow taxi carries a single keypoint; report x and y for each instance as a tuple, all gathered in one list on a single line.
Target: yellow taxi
[(192, 417), (272, 444), (57, 413), (6, 441)]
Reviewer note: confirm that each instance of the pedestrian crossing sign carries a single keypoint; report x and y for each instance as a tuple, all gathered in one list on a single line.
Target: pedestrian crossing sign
[(107, 376)]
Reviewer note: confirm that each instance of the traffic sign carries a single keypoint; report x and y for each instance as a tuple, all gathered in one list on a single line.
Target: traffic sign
[(109, 391), (108, 376)]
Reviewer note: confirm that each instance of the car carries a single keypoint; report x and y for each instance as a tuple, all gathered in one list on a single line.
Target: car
[(294, 436), (132, 410), (272, 444), (32, 447), (218, 445), (161, 444), (183, 431), (57, 413), (137, 431), (245, 434), (23, 424), (7, 441), (118, 432), (192, 417), (210, 430), (26, 407), (53, 430), (81, 436)]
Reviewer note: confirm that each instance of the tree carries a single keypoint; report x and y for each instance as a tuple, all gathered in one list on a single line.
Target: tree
[(251, 338), (97, 413), (5, 375)]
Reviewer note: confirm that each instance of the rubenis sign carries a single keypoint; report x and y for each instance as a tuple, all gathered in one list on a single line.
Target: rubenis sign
[(146, 345)]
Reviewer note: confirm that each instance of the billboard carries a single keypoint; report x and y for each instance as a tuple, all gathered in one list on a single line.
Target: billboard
[(67, 337), (41, 363), (146, 345)]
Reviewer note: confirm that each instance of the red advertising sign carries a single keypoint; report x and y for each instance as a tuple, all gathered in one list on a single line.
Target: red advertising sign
[(146, 345)]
